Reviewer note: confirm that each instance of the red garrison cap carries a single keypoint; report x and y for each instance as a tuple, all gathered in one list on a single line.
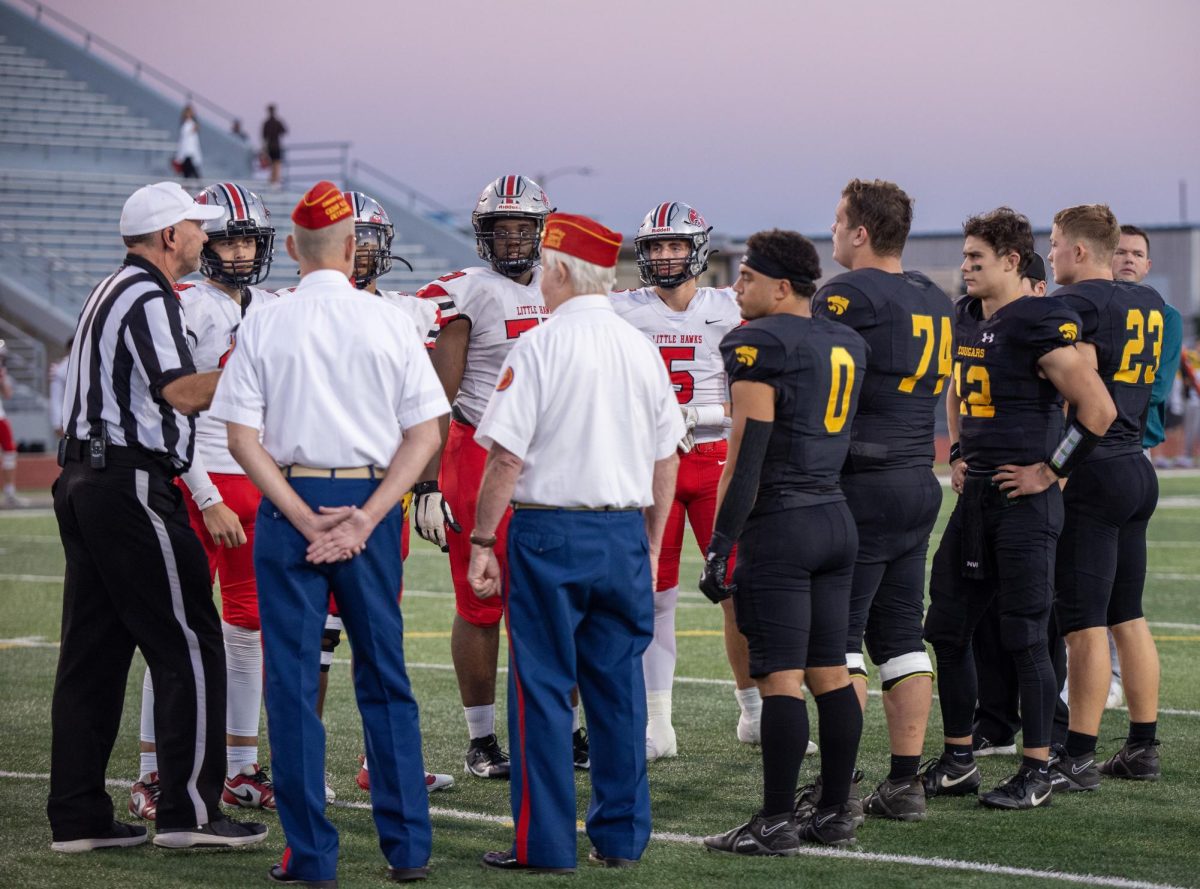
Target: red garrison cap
[(322, 205), (582, 238)]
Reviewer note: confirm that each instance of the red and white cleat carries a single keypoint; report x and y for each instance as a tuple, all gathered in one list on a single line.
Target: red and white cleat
[(250, 788), (143, 797)]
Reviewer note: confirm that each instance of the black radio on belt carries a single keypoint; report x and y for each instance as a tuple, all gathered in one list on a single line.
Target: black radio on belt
[(96, 448)]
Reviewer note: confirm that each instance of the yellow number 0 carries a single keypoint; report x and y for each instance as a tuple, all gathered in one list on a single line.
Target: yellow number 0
[(837, 411), (923, 330), (1138, 323)]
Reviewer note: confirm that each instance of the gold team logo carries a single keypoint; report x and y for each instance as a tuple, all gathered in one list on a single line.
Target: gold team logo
[(1069, 331), (553, 238), (746, 355), (505, 380), (838, 304)]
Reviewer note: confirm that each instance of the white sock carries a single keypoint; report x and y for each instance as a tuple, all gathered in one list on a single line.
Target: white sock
[(658, 663), (481, 720), (148, 762), (658, 708), (750, 701), (576, 719), (10, 489), (365, 768), (238, 757)]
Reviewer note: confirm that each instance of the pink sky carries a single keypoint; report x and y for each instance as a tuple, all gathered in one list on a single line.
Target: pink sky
[(756, 113)]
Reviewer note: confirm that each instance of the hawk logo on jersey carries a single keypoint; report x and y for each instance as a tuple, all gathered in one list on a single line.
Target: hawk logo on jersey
[(1069, 331), (746, 355), (506, 379), (838, 304)]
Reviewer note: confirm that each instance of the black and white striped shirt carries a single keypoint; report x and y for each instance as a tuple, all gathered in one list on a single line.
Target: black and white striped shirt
[(130, 342)]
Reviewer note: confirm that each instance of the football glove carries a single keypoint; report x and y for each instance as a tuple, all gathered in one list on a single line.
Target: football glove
[(691, 416), (433, 515), (712, 578)]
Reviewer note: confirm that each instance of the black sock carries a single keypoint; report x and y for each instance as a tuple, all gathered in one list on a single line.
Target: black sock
[(1142, 733), (1038, 765), (839, 727), (784, 729), (904, 767), (960, 753), (1078, 744)]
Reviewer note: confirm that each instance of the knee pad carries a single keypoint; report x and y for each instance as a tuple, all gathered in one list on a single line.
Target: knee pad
[(856, 664), (330, 639), (905, 666)]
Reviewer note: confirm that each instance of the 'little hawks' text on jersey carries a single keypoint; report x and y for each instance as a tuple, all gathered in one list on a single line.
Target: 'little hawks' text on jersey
[(688, 341), (816, 368), (1124, 323), (908, 321), (1009, 414), (499, 310)]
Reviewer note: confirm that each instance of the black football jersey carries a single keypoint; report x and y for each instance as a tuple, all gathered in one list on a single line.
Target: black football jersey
[(816, 368), (1124, 322), (908, 323), (1008, 414)]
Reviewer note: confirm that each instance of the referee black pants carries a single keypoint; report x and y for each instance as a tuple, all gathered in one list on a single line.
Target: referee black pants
[(136, 576)]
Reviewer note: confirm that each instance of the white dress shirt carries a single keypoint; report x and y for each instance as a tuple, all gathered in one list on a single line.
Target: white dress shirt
[(330, 377), (584, 400)]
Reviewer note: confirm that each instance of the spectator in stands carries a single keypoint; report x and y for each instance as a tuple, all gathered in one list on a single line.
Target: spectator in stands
[(273, 131), (237, 132), (187, 155)]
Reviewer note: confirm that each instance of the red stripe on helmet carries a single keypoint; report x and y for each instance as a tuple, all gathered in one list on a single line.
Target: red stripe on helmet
[(236, 201), (663, 216), (510, 186)]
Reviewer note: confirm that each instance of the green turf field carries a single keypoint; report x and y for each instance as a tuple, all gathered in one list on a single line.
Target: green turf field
[(1127, 834)]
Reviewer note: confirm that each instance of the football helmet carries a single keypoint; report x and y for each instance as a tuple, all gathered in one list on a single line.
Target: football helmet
[(509, 197), (373, 233), (245, 216), (672, 221)]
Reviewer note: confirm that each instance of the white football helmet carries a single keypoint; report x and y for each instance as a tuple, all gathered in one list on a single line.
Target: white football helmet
[(373, 233), (245, 216), (672, 221), (509, 197)]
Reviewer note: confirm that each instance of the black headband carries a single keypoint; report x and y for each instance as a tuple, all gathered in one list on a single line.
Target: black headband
[(764, 265)]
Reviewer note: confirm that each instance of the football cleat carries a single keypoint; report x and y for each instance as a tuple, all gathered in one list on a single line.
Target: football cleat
[(220, 832), (118, 835), (774, 836), (486, 759), (1138, 762), (14, 501), (808, 798), (1116, 694), (981, 746), (1069, 775), (945, 777), (363, 778), (663, 745), (432, 782), (1027, 789), (143, 797), (831, 827), (250, 788), (902, 800), (330, 793), (580, 750)]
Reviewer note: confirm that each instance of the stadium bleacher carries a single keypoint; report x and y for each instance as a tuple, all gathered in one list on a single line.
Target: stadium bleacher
[(78, 134)]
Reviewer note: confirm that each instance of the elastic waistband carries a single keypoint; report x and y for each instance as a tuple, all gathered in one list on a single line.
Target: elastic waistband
[(297, 470), (710, 447), (578, 508)]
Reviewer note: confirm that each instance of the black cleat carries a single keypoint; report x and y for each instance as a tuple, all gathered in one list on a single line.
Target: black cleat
[(118, 835), (830, 827), (808, 797), (1071, 775), (485, 759), (902, 800), (761, 835), (218, 833), (579, 748), (946, 777), (1027, 789), (1134, 763)]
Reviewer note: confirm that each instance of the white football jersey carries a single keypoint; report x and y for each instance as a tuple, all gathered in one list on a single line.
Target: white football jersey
[(688, 341), (499, 310), (212, 320), (429, 315)]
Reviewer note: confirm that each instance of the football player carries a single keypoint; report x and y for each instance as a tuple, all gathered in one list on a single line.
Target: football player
[(223, 501), (1015, 362), (496, 303), (1108, 501), (8, 446), (888, 476), (686, 322)]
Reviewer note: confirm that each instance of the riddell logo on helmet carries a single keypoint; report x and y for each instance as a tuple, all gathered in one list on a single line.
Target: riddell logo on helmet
[(660, 230)]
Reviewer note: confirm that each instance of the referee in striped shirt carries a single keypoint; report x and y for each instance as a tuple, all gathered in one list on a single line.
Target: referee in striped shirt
[(136, 574)]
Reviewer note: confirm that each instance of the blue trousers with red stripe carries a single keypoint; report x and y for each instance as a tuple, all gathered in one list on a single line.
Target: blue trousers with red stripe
[(293, 600), (580, 611)]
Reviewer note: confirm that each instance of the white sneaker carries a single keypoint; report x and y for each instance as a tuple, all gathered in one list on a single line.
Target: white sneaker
[(1116, 695), (14, 501), (330, 795), (663, 746), (749, 729), (811, 748)]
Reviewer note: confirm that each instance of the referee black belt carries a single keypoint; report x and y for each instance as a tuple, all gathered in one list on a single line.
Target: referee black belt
[(297, 470), (79, 450), (578, 508)]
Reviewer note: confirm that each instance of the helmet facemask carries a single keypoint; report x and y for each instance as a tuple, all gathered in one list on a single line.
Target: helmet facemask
[(518, 251), (244, 272), (673, 221), (372, 252)]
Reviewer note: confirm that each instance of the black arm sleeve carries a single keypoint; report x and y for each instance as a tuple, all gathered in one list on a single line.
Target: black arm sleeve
[(743, 487)]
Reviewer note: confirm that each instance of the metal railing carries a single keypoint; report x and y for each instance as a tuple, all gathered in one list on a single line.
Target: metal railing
[(93, 42), (322, 160), (419, 203)]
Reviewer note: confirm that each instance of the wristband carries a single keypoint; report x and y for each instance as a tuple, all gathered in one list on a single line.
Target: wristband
[(710, 416), (427, 487), (955, 453), (486, 542), (1073, 449)]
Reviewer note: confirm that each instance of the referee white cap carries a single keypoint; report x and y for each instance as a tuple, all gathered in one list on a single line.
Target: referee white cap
[(154, 207)]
